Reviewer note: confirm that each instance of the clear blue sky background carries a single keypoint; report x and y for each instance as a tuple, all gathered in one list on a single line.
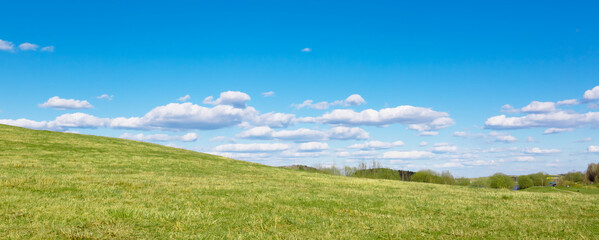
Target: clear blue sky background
[(466, 59)]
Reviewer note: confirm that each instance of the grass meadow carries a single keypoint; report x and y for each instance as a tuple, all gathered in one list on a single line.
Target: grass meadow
[(71, 186)]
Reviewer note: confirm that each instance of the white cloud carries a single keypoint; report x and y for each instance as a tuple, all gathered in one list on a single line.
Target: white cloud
[(304, 134), (187, 116), (588, 139), (428, 133), (539, 107), (306, 50), (26, 123), (63, 104), (408, 154), (184, 98), (6, 45), (274, 120), (449, 165), (557, 130), (525, 159), (268, 94), (28, 46), (537, 150), (560, 119), (354, 100), (48, 49), (444, 148), (421, 119), (530, 139), (234, 98), (376, 145), (568, 102), (506, 138), (591, 94), (460, 134), (593, 149), (105, 96), (423, 143), (313, 146), (295, 154), (61, 123), (509, 109), (218, 139), (189, 137), (252, 147), (345, 133)]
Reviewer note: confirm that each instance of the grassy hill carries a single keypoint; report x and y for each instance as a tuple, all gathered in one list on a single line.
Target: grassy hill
[(61, 185)]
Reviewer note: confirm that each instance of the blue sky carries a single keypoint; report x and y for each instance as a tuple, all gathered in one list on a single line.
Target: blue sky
[(412, 69)]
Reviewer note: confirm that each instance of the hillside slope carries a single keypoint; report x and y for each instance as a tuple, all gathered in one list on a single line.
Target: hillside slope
[(61, 185)]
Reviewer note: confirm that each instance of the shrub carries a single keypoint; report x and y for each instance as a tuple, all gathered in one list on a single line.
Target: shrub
[(462, 181), (592, 173), (524, 182), (447, 178), (500, 180)]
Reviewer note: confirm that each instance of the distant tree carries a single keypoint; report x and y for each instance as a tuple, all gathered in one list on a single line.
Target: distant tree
[(592, 173), (524, 182), (462, 181), (576, 177), (427, 176), (500, 180), (480, 182), (447, 178), (538, 179)]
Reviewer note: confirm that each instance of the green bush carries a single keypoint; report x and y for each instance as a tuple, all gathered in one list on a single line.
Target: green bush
[(524, 182), (500, 180)]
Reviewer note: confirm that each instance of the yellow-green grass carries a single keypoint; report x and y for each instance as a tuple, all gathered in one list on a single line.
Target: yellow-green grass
[(70, 186)]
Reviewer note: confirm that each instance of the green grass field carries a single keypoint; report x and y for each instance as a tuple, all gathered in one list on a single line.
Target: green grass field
[(69, 186)]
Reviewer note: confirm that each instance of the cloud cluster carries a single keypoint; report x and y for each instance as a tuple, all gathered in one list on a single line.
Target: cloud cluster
[(233, 98), (376, 145), (9, 46)]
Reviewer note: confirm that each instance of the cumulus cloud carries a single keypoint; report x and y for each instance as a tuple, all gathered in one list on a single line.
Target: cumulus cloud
[(304, 134), (540, 151), (503, 137), (444, 148), (252, 147), (557, 130), (268, 94), (539, 107), (593, 149), (274, 120), (189, 137), (354, 100), (234, 98), (47, 49), (408, 154), (591, 94), (64, 104), (345, 133), (28, 46), (105, 96), (376, 145), (61, 123), (313, 147), (449, 165), (6, 45), (184, 98), (525, 159), (559, 119), (420, 119)]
